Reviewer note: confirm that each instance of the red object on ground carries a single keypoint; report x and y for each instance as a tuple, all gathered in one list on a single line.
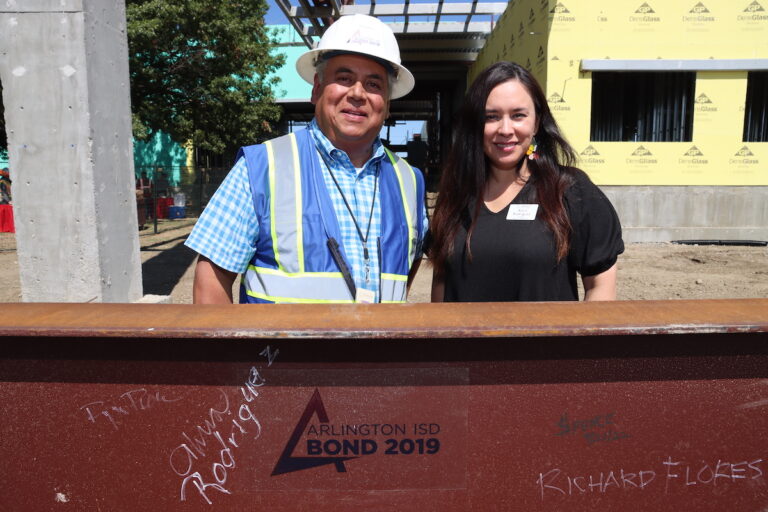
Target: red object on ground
[(6, 219), (163, 203)]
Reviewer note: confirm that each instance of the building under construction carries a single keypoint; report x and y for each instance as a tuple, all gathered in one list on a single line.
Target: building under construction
[(666, 102)]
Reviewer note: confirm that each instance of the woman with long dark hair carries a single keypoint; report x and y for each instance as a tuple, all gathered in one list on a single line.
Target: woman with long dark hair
[(514, 220)]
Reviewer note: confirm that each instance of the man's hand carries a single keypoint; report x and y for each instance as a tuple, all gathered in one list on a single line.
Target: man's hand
[(213, 284)]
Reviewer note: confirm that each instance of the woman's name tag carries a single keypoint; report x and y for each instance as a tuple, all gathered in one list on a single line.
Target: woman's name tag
[(522, 211)]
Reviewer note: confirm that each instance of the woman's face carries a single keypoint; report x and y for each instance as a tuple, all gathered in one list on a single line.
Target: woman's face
[(510, 124)]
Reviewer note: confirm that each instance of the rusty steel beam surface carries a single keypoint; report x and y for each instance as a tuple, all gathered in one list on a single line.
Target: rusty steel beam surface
[(656, 405)]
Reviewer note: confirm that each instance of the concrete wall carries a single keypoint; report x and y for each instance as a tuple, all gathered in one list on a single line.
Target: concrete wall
[(661, 214), (64, 68)]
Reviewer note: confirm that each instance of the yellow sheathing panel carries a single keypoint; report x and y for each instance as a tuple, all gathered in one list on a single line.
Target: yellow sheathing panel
[(718, 126), (667, 29), (520, 35), (551, 39), (674, 163)]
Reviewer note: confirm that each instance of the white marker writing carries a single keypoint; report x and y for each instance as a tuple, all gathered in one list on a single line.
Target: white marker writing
[(556, 480), (244, 424), (136, 400)]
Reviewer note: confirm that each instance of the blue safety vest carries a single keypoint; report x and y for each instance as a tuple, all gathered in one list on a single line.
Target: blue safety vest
[(292, 263)]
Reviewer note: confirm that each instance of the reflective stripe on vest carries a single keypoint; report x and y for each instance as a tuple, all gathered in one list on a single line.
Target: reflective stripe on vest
[(393, 285), (309, 287), (407, 178), (285, 206)]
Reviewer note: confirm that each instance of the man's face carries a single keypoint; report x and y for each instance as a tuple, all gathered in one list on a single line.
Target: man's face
[(351, 102)]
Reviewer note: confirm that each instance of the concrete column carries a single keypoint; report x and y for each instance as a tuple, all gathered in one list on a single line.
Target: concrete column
[(64, 70)]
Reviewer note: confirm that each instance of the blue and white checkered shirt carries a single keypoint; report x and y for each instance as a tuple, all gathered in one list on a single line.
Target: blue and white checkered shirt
[(227, 230)]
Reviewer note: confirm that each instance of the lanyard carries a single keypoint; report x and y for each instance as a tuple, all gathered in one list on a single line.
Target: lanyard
[(363, 239)]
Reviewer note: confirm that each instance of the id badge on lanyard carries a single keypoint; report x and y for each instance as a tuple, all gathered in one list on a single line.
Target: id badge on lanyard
[(364, 296)]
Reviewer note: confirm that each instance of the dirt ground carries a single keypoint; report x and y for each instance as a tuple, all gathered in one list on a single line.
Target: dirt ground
[(646, 271)]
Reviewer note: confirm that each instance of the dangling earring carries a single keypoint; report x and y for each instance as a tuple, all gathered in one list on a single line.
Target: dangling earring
[(532, 150)]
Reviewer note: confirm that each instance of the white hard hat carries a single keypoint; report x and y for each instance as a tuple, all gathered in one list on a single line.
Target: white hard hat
[(360, 34)]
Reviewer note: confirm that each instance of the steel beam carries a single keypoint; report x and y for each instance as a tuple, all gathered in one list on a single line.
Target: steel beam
[(442, 27), (410, 9), (657, 405)]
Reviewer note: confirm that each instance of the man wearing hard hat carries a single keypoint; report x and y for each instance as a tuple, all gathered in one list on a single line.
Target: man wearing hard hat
[(326, 214)]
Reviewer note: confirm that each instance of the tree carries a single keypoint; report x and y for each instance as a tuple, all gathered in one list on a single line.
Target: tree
[(202, 71)]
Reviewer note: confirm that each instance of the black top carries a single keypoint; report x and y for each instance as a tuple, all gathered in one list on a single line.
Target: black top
[(516, 260)]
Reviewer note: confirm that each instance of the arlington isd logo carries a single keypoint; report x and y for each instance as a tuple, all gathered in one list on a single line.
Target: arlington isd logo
[(288, 463), (316, 441)]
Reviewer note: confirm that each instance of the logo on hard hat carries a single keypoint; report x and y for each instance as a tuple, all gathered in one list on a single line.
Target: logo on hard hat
[(359, 38)]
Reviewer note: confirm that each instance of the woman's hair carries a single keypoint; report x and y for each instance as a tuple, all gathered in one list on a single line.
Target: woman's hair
[(465, 175)]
